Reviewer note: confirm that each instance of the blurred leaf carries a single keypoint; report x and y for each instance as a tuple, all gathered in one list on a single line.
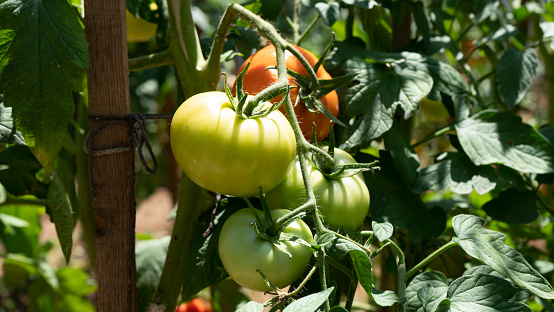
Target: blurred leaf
[(491, 137), (329, 12), (150, 259), (503, 33), (457, 172), (485, 9), (22, 240), (44, 57), (19, 176), (516, 72), (366, 4), (270, 9), (75, 281), (309, 303), (17, 269), (433, 279), (9, 222), (59, 207), (45, 299), (513, 206), (376, 22), (227, 296), (378, 92), (422, 20), (392, 201), (251, 306), (489, 247), (403, 155), (382, 231), (8, 134)]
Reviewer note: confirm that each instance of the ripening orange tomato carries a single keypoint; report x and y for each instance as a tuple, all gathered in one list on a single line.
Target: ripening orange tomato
[(258, 78)]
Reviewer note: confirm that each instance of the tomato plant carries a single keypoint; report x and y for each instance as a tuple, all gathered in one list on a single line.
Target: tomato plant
[(244, 253), (226, 153), (258, 77), (138, 29), (343, 202), (195, 305)]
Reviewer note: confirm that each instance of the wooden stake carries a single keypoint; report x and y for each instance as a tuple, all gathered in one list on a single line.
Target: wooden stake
[(108, 91)]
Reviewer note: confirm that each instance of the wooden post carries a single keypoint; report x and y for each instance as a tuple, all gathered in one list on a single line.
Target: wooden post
[(114, 207)]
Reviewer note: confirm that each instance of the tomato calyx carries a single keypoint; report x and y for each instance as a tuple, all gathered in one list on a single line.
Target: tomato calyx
[(332, 172), (250, 107), (267, 229)]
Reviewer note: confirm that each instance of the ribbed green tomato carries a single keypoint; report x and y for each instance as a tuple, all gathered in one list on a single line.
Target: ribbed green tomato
[(343, 202), (243, 252), (227, 154)]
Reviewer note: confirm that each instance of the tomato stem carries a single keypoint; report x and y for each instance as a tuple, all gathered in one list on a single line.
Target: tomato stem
[(153, 60), (432, 256)]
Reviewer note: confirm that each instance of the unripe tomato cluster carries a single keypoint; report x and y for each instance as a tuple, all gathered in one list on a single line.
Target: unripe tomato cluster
[(227, 153)]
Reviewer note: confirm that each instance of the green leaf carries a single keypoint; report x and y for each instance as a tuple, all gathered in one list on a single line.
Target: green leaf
[(206, 266), (150, 259), (376, 93), (42, 297), (438, 283), (43, 56), (516, 71), (309, 303), (422, 20), (426, 296), (382, 231), (362, 266), (10, 222), (491, 137), (392, 201), (521, 295), (484, 293), (489, 247), (8, 134), (513, 206), (384, 298), (59, 207), (18, 167), (457, 172), (403, 155), (329, 12), (339, 248), (251, 306)]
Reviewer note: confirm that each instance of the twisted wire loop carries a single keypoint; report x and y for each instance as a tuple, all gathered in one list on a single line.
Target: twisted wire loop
[(137, 140)]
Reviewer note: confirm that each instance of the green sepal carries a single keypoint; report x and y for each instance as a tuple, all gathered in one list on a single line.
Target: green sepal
[(325, 52), (240, 80), (263, 221), (348, 170), (328, 85), (311, 101), (268, 282), (228, 92)]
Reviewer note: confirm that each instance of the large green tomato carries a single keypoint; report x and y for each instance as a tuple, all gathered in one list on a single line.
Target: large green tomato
[(343, 202), (227, 154), (243, 252)]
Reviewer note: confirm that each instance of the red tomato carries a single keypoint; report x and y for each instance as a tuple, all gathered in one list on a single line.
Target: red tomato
[(195, 305), (257, 79)]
